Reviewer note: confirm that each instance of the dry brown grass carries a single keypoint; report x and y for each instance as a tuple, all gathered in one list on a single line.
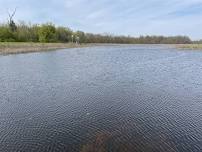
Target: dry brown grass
[(15, 47), (190, 46)]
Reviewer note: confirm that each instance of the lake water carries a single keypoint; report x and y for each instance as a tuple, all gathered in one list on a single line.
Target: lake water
[(123, 98)]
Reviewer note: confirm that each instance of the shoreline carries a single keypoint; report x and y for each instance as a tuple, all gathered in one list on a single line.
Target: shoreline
[(8, 48), (189, 46)]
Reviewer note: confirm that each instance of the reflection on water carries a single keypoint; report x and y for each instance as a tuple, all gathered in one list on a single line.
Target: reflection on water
[(124, 98)]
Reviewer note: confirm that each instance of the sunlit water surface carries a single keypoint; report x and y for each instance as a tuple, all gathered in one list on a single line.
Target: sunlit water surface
[(124, 98)]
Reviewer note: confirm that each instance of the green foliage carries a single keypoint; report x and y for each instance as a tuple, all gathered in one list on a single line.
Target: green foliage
[(81, 36), (63, 34), (27, 33), (23, 32), (47, 33), (6, 34)]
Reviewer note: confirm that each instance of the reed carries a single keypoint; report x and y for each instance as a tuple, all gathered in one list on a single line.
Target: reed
[(27, 47), (190, 46)]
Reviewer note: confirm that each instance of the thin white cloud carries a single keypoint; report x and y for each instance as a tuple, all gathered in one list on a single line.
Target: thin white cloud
[(132, 17)]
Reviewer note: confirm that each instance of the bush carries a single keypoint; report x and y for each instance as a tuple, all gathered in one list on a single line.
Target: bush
[(63, 34), (47, 33), (6, 34)]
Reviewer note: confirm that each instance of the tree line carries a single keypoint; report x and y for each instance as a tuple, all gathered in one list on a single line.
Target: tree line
[(23, 32)]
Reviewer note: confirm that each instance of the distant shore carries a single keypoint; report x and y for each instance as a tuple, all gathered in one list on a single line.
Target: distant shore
[(27, 47)]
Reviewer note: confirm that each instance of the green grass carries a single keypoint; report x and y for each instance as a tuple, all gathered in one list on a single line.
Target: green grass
[(27, 47)]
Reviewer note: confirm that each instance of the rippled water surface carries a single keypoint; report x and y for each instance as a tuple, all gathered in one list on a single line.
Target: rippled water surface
[(102, 99)]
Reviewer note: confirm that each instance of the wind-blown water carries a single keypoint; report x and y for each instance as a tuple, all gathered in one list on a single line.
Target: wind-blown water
[(104, 99)]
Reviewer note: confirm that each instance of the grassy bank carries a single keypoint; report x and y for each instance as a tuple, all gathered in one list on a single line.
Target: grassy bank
[(190, 46), (15, 47)]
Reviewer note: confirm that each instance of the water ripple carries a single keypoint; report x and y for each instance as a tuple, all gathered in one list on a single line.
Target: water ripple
[(114, 98)]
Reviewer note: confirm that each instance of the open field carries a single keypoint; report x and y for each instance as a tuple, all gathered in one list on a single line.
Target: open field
[(16, 47), (190, 46)]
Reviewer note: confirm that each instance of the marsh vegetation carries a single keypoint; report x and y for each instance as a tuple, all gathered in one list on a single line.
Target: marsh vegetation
[(190, 46), (27, 47)]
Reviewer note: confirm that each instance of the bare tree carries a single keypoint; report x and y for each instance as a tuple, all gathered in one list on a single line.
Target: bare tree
[(11, 22)]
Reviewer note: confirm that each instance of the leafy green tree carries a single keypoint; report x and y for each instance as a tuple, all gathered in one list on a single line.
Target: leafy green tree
[(47, 33), (26, 33), (22, 33), (81, 36), (6, 34), (63, 34), (34, 33)]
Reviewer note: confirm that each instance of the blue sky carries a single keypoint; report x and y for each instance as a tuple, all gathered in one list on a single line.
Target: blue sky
[(119, 17)]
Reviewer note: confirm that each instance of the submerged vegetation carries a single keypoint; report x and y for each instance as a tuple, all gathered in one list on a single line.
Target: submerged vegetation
[(46, 33)]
